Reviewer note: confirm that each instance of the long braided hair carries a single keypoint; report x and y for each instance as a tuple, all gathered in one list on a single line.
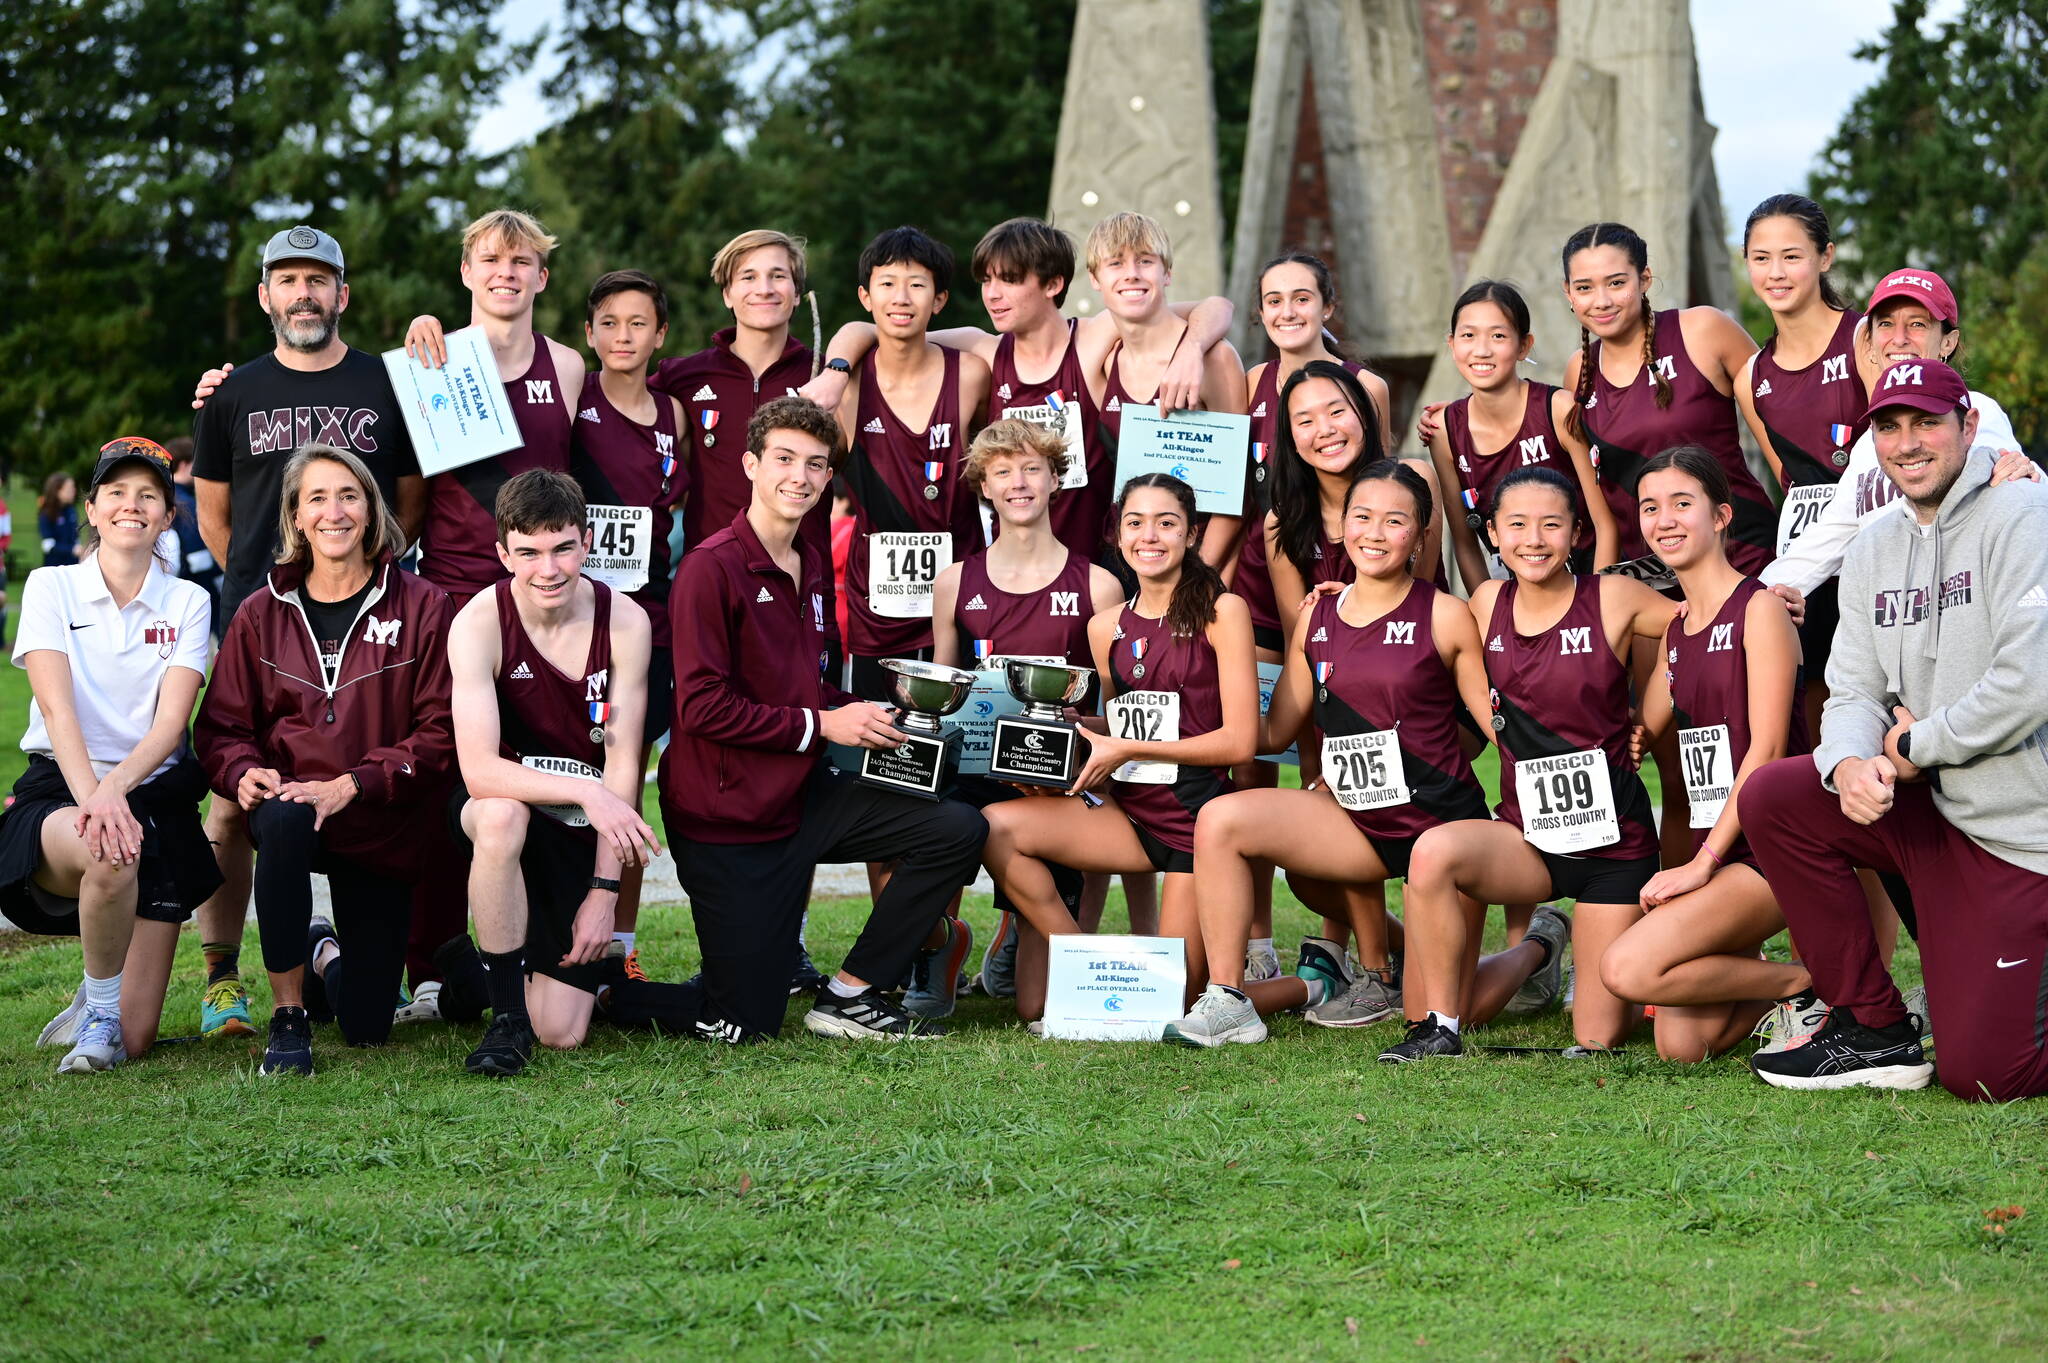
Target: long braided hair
[(1638, 252)]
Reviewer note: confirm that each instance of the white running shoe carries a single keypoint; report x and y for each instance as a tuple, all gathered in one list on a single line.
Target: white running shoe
[(1261, 963), (425, 1005), (98, 1046), (1792, 1022), (62, 1029), (1221, 1016)]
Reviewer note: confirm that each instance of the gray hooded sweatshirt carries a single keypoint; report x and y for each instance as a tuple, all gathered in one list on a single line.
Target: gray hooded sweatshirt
[(1950, 620)]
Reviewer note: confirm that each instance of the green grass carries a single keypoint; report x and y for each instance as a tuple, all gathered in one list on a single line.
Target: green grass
[(990, 1196)]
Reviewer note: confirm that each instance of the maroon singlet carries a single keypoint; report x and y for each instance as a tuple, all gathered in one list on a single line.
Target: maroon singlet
[(1049, 623), (543, 712), (1629, 429), (903, 480), (461, 552), (1146, 656), (1080, 516), (1386, 675), (1709, 676), (1254, 580), (1812, 415), (1534, 444), (619, 463), (1561, 691)]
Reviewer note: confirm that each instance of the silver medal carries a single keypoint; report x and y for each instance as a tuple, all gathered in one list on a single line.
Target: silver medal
[(931, 492), (597, 733), (1840, 459), (709, 440), (1138, 672)]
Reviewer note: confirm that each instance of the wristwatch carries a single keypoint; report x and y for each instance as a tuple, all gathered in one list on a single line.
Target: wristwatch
[(838, 366), (1906, 745), (600, 883)]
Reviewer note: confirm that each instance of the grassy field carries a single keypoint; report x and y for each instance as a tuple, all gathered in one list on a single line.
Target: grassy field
[(990, 1196)]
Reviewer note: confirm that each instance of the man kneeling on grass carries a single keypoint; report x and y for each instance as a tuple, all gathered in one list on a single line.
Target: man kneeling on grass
[(550, 696), (750, 807)]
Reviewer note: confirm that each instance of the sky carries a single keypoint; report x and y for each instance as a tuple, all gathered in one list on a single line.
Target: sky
[(1777, 76)]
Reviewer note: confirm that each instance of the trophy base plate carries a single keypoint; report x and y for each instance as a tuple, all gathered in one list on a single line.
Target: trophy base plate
[(924, 766), (1035, 752)]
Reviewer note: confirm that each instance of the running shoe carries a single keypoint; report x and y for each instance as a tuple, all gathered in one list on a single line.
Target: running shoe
[(62, 1029), (1261, 963), (465, 989), (870, 1015), (423, 1006), (224, 1009), (1221, 1016), (317, 931), (935, 975), (1374, 996), (1542, 990), (998, 977), (97, 1046), (291, 1043), (1322, 962), (1847, 1054), (507, 1045), (1791, 1022), (807, 978), (1424, 1039)]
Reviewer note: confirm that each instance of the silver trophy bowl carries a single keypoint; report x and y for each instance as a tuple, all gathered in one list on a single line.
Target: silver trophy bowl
[(1046, 688), (925, 691)]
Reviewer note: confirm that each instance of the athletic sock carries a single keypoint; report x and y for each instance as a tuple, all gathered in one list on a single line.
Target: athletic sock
[(1448, 1024), (1319, 989), (324, 955), (103, 996), (1261, 945), (222, 960), (505, 978), (1547, 950), (842, 990), (625, 937)]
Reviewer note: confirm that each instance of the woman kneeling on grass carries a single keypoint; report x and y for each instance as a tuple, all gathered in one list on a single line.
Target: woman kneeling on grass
[(1182, 701), (328, 722), (1731, 682), (1574, 818), (1382, 666), (103, 840)]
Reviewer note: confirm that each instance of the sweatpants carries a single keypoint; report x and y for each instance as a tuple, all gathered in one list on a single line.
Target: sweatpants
[(371, 914), (1983, 923), (748, 899)]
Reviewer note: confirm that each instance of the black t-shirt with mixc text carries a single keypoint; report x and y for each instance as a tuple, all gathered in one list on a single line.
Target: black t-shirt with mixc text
[(260, 414), (331, 621)]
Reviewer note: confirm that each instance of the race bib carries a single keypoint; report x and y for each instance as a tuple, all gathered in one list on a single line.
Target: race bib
[(1067, 421), (1709, 765), (1567, 802), (1364, 771), (571, 815), (1802, 508), (1146, 717), (621, 546), (901, 569)]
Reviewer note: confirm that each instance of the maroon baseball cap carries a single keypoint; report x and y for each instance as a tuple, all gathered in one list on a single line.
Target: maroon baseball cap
[(1928, 385), (1924, 287)]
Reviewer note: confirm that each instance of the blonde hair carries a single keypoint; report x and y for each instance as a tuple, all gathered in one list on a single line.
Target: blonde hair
[(1128, 233), (382, 534), (1014, 437), (512, 227), (726, 263)]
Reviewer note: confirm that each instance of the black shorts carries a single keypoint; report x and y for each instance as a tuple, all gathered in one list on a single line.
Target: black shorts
[(556, 863), (1269, 637), (1817, 634), (1598, 880), (661, 696), (1394, 854), (1162, 857), (868, 679)]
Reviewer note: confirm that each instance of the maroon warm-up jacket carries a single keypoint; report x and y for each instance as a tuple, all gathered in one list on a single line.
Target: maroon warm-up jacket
[(748, 646), (385, 720)]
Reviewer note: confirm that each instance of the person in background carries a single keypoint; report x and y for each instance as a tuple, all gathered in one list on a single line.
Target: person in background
[(57, 520), (195, 560)]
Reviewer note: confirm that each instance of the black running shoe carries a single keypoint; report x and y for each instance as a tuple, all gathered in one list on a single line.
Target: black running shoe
[(465, 989), (869, 1015), (1846, 1054), (1424, 1039), (807, 979), (291, 1043), (507, 1046)]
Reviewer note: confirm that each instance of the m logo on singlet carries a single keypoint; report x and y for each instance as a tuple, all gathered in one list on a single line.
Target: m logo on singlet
[(540, 391), (1066, 603), (1400, 632), (1578, 639), (594, 684), (1666, 366), (1721, 639), (1899, 375), (1833, 367), (664, 444), (287, 428), (940, 436), (381, 631), (1535, 450)]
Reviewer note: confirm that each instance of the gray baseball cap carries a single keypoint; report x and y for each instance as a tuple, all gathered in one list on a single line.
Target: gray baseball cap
[(303, 243)]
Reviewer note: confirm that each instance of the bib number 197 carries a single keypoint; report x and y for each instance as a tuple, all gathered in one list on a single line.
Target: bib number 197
[(1708, 762)]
